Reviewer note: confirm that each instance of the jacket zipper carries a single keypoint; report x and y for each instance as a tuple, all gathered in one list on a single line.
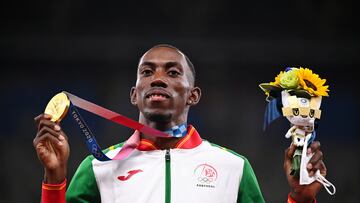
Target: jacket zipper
[(167, 177)]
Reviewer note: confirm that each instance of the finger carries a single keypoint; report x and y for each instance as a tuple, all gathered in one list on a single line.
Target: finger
[(318, 166), (46, 129), (315, 146), (49, 124), (49, 146), (41, 116), (46, 137), (315, 159), (62, 136), (54, 126), (289, 152), (322, 168), (42, 135)]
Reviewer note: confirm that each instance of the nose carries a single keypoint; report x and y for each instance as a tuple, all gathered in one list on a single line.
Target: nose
[(158, 81)]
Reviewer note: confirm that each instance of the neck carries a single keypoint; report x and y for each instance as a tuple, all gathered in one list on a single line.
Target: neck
[(161, 142)]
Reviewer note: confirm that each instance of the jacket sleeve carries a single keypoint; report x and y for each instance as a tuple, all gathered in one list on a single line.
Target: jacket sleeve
[(249, 190), (83, 187), (53, 193), (291, 200)]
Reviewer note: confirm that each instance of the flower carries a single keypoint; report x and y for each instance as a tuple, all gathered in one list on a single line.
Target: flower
[(289, 80), (312, 83), (299, 81)]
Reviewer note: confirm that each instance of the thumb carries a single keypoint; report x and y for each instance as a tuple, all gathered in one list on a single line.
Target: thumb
[(289, 152)]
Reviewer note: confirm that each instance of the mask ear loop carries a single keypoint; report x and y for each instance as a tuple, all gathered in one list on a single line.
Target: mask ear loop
[(327, 184)]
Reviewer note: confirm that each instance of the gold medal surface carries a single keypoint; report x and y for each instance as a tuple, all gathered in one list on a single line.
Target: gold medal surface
[(57, 107)]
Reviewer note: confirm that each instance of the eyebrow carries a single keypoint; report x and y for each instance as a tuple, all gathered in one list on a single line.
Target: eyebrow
[(172, 64), (167, 64), (147, 63)]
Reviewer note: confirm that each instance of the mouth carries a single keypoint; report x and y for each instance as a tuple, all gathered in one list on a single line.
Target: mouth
[(157, 95)]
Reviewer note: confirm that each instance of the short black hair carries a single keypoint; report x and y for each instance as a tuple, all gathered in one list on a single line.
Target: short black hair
[(189, 63)]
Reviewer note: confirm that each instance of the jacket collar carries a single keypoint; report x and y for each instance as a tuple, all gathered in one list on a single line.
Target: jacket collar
[(191, 140)]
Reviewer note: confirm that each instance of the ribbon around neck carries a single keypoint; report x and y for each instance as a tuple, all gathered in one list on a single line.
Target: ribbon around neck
[(91, 142)]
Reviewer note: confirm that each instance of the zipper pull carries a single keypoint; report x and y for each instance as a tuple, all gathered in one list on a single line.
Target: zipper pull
[(167, 155)]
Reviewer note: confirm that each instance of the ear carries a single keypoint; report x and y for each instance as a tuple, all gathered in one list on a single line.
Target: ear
[(194, 98), (315, 102), (133, 96), (284, 97)]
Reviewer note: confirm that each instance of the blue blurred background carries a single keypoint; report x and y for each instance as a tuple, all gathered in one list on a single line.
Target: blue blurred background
[(91, 49)]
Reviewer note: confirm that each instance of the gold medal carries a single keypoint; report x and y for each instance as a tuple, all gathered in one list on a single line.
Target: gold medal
[(58, 106)]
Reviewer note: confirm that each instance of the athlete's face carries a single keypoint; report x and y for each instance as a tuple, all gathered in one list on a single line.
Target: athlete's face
[(164, 88)]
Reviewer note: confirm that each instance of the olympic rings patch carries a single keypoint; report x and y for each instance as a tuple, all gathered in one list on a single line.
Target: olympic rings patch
[(205, 173)]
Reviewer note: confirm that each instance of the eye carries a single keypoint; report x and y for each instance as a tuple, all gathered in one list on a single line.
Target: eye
[(312, 113), (295, 111), (146, 72), (173, 73)]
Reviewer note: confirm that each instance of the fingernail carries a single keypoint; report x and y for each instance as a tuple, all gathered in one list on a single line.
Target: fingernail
[(61, 137), (57, 127), (60, 143), (309, 151), (47, 116), (309, 166)]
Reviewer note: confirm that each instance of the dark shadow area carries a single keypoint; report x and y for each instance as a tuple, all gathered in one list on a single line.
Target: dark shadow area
[(91, 49)]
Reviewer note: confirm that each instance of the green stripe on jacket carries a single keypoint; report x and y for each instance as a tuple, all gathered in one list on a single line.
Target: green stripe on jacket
[(83, 187), (249, 190)]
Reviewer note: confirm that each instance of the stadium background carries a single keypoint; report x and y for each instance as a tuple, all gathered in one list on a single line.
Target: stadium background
[(91, 49)]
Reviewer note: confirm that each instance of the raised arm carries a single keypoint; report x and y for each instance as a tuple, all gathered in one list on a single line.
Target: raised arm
[(52, 148)]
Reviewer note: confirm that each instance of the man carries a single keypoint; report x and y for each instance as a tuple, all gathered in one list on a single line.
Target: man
[(185, 169)]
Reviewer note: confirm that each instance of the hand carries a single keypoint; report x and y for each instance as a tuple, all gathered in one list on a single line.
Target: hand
[(305, 193), (52, 149)]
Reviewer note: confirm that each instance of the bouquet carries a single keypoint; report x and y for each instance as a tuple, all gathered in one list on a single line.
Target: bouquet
[(296, 94)]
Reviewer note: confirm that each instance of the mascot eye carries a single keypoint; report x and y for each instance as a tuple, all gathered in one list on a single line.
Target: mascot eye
[(304, 101), (295, 111), (312, 113)]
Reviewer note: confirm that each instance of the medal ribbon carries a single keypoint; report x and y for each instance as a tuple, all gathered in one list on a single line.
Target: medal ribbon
[(91, 142)]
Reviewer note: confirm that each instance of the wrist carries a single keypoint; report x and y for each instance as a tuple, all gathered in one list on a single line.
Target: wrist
[(54, 176), (300, 198)]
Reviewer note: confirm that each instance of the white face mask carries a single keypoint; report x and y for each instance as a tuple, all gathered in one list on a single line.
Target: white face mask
[(305, 179)]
